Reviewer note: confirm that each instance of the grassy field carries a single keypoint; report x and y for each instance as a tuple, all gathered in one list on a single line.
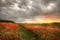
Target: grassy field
[(19, 31)]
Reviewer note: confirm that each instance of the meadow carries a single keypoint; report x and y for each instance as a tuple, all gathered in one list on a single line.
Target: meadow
[(24, 31)]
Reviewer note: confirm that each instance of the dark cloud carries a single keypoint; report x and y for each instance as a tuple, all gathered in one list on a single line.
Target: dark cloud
[(21, 10)]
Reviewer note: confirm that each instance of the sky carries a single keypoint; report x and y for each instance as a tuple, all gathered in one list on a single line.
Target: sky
[(30, 11)]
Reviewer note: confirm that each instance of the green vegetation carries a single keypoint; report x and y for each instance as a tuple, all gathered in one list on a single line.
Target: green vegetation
[(6, 21), (24, 34)]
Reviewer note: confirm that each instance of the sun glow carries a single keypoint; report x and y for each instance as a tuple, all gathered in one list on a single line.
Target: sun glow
[(40, 21)]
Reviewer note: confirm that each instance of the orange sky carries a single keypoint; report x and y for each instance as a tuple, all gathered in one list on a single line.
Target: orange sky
[(42, 20)]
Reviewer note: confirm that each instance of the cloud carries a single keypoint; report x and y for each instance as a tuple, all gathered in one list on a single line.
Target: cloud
[(22, 10)]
